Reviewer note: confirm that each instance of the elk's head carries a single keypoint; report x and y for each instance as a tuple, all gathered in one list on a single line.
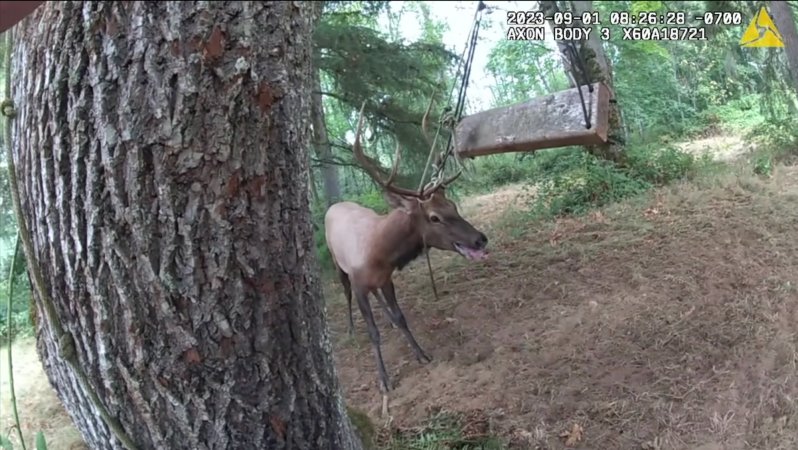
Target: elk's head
[(435, 217)]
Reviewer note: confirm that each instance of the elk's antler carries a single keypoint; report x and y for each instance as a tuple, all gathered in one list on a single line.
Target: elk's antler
[(373, 171), (425, 124)]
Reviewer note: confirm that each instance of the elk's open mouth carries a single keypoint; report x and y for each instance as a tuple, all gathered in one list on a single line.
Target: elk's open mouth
[(472, 254)]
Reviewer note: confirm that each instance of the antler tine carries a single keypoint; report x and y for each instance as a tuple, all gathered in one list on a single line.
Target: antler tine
[(439, 184), (397, 157), (372, 170), (451, 179)]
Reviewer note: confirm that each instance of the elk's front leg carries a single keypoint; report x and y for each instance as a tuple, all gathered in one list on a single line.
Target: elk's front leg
[(390, 297)]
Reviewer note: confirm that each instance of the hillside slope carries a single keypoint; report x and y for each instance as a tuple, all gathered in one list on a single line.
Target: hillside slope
[(670, 323)]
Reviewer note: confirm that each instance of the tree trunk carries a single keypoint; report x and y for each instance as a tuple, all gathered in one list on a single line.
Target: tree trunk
[(598, 68), (161, 154), (329, 171), (782, 16)]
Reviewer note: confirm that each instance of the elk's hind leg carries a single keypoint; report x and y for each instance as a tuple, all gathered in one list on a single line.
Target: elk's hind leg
[(388, 312), (390, 297), (374, 334), (348, 294)]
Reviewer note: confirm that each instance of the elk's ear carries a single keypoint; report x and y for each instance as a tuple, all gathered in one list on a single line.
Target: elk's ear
[(397, 201)]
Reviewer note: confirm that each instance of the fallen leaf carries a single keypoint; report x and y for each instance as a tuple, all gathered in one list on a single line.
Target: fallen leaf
[(598, 217), (650, 212), (573, 436)]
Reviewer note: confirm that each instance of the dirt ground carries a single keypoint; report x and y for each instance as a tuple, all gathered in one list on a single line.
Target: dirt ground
[(666, 324)]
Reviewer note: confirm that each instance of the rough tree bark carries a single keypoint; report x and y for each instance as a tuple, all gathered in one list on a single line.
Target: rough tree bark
[(782, 15), (161, 153), (598, 68)]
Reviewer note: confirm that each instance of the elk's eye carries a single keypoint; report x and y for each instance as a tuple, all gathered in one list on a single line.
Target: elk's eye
[(434, 219)]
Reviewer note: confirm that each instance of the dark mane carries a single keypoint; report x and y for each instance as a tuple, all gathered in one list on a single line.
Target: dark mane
[(408, 257)]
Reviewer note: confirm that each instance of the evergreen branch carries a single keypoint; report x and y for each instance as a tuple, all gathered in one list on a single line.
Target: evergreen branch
[(332, 161)]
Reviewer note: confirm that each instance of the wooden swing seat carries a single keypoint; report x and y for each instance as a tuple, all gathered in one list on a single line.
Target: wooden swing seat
[(555, 120)]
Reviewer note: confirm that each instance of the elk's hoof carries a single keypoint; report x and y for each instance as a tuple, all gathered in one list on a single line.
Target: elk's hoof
[(385, 406)]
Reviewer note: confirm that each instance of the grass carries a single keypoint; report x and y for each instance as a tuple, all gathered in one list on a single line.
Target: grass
[(445, 430)]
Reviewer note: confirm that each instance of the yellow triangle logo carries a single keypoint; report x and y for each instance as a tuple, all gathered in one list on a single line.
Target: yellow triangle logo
[(761, 32)]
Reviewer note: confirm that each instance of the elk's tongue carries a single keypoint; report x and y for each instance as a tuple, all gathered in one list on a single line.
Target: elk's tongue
[(473, 254)]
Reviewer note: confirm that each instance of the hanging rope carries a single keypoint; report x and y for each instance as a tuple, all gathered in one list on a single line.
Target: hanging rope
[(578, 67), (461, 95), (466, 60), (450, 120)]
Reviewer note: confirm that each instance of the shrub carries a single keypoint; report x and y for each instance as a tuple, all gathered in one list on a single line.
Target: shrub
[(20, 322), (574, 181), (659, 165), (582, 181), (779, 135)]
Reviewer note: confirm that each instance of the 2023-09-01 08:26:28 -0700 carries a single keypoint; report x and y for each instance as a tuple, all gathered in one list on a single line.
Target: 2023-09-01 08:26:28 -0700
[(530, 25), (647, 18)]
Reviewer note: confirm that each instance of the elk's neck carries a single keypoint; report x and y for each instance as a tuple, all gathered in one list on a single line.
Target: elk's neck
[(401, 241)]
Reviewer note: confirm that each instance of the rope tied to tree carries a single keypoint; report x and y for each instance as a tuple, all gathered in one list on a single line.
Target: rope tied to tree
[(66, 342)]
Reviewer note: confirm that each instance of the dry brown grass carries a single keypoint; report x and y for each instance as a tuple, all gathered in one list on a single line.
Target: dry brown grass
[(719, 147), (666, 325), (38, 406)]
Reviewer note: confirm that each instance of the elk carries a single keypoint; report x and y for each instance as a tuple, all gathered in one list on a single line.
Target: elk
[(367, 248)]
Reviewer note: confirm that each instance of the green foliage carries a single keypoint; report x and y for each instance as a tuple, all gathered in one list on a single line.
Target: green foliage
[(497, 170), (575, 181), (359, 62), (779, 134), (19, 322), (372, 199), (763, 165), (522, 70), (583, 181), (643, 6), (442, 431), (41, 442), (659, 165), (777, 142), (737, 116), (346, 11), (363, 427)]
